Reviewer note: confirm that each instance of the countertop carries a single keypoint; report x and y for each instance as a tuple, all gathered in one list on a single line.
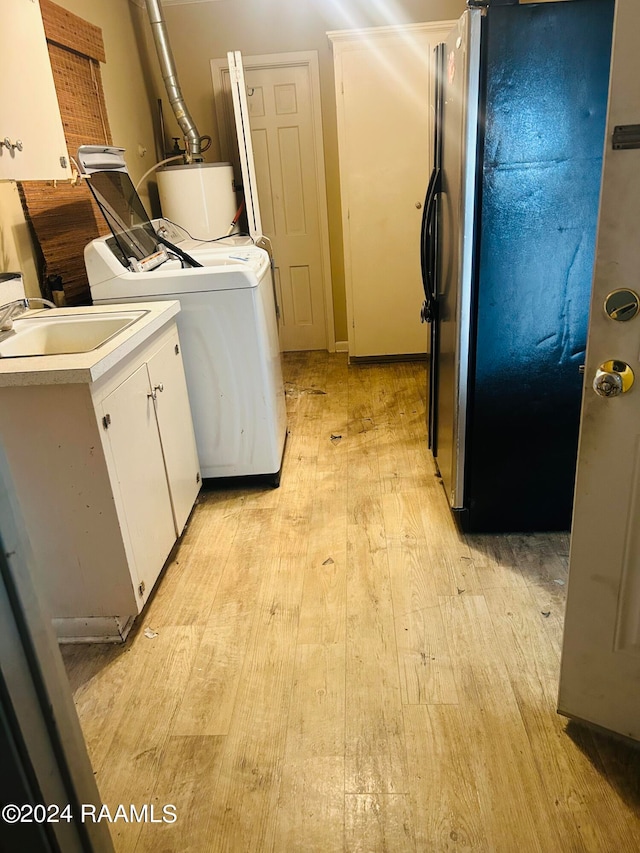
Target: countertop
[(86, 367)]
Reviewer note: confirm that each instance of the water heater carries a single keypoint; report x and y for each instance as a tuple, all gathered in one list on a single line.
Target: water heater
[(200, 197)]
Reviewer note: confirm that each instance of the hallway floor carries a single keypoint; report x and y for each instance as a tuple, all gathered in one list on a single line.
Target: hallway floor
[(331, 666)]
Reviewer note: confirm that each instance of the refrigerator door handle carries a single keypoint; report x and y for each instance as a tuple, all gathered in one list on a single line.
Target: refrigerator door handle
[(427, 259)]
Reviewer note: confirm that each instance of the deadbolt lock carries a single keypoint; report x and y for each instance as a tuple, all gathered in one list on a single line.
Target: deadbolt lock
[(622, 304), (613, 378)]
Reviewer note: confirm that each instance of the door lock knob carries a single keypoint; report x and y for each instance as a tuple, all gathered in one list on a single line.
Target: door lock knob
[(613, 378), (607, 384)]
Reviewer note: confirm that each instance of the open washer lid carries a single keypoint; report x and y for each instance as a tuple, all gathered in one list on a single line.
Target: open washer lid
[(117, 198), (245, 146)]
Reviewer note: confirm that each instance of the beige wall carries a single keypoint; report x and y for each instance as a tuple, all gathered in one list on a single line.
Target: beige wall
[(201, 31), (125, 90), (16, 248)]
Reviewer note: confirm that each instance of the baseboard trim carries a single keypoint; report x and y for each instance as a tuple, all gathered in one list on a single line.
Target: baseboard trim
[(386, 359), (92, 629)]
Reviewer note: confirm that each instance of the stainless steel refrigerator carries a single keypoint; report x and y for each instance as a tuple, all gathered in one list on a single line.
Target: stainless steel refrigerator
[(507, 252)]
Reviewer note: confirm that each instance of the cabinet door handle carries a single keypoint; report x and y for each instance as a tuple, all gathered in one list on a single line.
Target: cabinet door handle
[(159, 387)]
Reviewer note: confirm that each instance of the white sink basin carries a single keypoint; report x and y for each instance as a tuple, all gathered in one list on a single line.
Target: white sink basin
[(60, 335)]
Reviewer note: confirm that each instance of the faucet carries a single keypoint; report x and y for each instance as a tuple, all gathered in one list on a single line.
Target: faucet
[(14, 309)]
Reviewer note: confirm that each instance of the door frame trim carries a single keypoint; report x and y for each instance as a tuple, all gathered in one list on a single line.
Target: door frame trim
[(308, 59)]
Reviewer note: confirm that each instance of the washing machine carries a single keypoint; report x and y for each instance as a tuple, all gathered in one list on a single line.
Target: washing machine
[(227, 323)]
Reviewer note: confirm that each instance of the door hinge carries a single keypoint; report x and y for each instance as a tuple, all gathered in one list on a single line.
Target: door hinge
[(106, 421), (141, 589), (177, 350), (198, 477)]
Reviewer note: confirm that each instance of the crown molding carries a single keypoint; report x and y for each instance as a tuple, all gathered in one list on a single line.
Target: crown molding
[(141, 4)]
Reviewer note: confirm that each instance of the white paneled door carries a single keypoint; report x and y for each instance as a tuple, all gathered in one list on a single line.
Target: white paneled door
[(280, 114), (290, 187), (600, 675)]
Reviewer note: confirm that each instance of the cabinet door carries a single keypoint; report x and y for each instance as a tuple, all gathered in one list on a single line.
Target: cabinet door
[(142, 484), (166, 375), (384, 94), (29, 109)]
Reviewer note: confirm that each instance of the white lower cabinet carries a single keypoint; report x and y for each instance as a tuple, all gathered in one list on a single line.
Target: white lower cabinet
[(106, 475), (134, 442), (171, 401)]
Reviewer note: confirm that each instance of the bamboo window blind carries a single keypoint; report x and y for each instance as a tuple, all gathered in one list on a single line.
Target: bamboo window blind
[(64, 218)]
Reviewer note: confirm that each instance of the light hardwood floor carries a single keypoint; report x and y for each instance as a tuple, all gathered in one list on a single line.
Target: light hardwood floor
[(336, 668)]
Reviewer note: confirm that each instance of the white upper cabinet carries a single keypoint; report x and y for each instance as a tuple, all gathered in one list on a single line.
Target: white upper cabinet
[(32, 144)]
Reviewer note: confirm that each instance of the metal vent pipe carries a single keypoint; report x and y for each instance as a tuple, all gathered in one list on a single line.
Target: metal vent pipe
[(170, 77)]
